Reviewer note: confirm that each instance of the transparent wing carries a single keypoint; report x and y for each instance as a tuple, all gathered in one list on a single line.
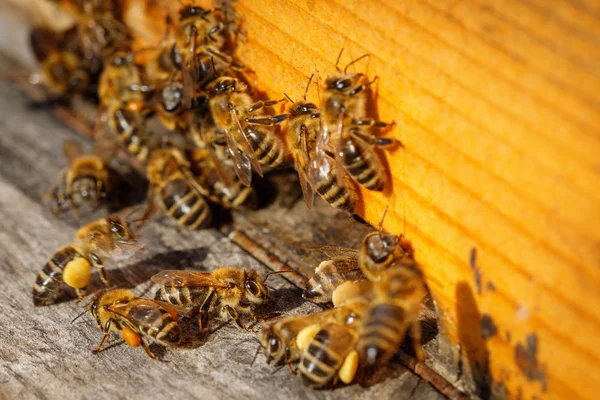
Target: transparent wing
[(340, 265), (72, 150), (301, 167), (187, 278), (332, 250), (245, 143), (241, 162)]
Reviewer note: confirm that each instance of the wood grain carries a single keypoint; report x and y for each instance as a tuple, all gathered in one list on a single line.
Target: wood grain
[(497, 106)]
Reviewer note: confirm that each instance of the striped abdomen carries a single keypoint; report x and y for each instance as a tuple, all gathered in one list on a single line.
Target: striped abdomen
[(363, 164), (329, 275), (49, 282), (381, 333), (236, 195), (183, 203), (325, 354), (333, 193), (129, 127), (267, 147), (155, 322), (187, 296)]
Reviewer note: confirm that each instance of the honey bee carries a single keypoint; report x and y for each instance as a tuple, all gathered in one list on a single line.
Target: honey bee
[(344, 131), (85, 183), (328, 348), (136, 319), (201, 39), (250, 138), (394, 309), (175, 190), (62, 68), (235, 291), (302, 132), (72, 265), (283, 339), (380, 251)]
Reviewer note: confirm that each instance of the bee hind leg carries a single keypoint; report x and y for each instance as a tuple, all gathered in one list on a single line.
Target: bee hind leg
[(415, 331), (147, 350)]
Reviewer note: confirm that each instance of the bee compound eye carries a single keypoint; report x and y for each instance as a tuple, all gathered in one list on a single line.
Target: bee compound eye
[(252, 288), (273, 344)]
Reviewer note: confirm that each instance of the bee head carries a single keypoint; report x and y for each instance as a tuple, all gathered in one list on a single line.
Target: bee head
[(103, 299), (275, 348), (379, 246), (86, 191), (255, 290)]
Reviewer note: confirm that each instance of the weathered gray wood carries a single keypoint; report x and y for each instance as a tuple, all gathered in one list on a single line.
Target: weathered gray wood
[(44, 356)]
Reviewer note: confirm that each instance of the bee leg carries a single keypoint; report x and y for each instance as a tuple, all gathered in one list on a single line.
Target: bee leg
[(415, 331), (105, 337), (236, 317), (372, 122), (103, 274), (80, 294), (362, 87), (147, 350), (376, 141), (260, 104), (215, 29), (203, 312), (265, 120), (292, 370)]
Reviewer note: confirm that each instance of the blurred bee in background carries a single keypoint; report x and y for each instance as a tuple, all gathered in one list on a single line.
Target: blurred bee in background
[(174, 189), (234, 291), (85, 183), (136, 319), (62, 68), (303, 129), (72, 265), (251, 139), (123, 105), (394, 309), (344, 131)]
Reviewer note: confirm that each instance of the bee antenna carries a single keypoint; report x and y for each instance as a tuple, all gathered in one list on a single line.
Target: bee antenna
[(258, 350), (307, 86), (79, 316), (355, 61), (380, 226), (277, 273), (288, 97), (337, 62)]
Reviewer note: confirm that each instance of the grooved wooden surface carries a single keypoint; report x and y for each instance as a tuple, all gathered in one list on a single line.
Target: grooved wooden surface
[(497, 106)]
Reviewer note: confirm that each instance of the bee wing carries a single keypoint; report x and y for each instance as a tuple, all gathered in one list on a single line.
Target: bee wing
[(332, 250), (177, 278), (223, 172), (340, 169), (72, 150), (301, 166), (241, 162), (139, 311), (340, 265), (245, 143)]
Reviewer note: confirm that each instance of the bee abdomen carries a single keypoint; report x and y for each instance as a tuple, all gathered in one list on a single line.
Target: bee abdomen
[(381, 333), (363, 166), (334, 194), (318, 365), (267, 148), (185, 205), (48, 284)]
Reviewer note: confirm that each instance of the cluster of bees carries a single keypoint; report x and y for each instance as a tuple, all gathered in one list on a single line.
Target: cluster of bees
[(211, 133)]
